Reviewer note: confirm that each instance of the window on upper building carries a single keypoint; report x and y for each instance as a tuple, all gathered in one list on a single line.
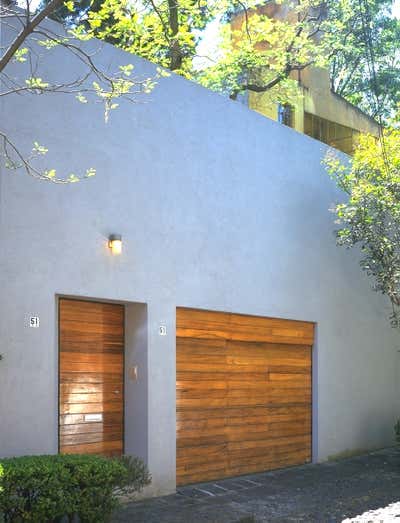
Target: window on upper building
[(334, 134), (285, 115)]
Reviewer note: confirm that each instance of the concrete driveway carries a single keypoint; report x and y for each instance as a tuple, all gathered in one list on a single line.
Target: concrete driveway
[(326, 493)]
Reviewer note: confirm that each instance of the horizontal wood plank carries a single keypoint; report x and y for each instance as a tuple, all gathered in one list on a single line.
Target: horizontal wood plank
[(244, 394), (90, 388), (92, 437), (98, 397), (91, 377), (105, 448), (109, 418), (86, 377), (200, 324)]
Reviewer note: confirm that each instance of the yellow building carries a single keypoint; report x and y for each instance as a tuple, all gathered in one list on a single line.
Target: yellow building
[(318, 112)]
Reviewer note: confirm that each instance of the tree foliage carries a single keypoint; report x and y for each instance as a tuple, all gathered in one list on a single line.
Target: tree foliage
[(259, 53), (165, 32), (364, 60), (253, 51), (263, 54), (370, 219)]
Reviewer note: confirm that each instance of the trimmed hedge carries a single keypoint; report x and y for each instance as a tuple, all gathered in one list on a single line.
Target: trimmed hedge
[(397, 431), (46, 488)]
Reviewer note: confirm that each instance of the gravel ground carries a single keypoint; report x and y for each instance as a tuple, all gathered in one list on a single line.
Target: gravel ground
[(330, 492)]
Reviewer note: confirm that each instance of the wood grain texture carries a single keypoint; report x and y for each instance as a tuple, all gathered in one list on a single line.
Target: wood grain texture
[(91, 360), (199, 324), (243, 387)]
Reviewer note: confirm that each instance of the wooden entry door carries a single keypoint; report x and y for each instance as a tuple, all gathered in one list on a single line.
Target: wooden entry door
[(91, 377), (243, 394)]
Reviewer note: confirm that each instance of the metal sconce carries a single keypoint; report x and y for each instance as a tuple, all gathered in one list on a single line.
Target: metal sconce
[(115, 243)]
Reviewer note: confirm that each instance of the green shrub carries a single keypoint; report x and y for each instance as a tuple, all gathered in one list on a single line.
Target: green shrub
[(45, 488), (137, 474), (33, 489), (397, 431)]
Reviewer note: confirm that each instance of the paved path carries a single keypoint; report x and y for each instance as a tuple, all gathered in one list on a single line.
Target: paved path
[(325, 493)]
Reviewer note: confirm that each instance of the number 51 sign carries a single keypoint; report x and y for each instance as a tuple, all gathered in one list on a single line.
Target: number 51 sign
[(34, 322)]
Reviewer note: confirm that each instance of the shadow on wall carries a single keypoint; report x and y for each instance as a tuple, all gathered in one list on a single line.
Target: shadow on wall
[(136, 381)]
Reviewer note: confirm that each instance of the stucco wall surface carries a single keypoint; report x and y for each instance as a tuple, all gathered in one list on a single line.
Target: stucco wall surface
[(219, 208)]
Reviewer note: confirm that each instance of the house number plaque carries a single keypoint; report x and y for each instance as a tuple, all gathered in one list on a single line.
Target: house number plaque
[(34, 322)]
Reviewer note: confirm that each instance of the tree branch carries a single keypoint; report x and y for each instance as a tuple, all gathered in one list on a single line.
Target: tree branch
[(27, 30), (176, 51)]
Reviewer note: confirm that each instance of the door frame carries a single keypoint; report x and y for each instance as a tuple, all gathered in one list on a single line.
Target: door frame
[(60, 297)]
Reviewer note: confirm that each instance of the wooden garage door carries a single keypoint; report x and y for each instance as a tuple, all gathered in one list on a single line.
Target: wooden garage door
[(91, 340), (243, 394)]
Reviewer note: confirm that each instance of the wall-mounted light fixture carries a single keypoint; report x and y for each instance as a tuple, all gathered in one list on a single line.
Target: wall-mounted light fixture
[(115, 243)]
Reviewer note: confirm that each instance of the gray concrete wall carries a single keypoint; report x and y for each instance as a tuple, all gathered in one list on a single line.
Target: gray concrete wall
[(219, 208), (136, 382)]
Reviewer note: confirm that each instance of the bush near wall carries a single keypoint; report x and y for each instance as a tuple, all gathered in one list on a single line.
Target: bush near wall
[(47, 488)]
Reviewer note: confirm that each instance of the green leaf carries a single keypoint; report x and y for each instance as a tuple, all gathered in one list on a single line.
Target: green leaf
[(51, 173), (126, 69), (49, 43), (81, 98), (20, 54), (90, 172), (80, 33), (39, 149), (36, 83), (69, 4)]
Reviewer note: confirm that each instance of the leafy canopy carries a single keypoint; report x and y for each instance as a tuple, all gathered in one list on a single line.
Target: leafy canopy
[(362, 35), (252, 52), (258, 53), (263, 54), (370, 218)]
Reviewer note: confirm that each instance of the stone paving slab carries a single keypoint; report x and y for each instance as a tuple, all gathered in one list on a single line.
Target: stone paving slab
[(357, 489)]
